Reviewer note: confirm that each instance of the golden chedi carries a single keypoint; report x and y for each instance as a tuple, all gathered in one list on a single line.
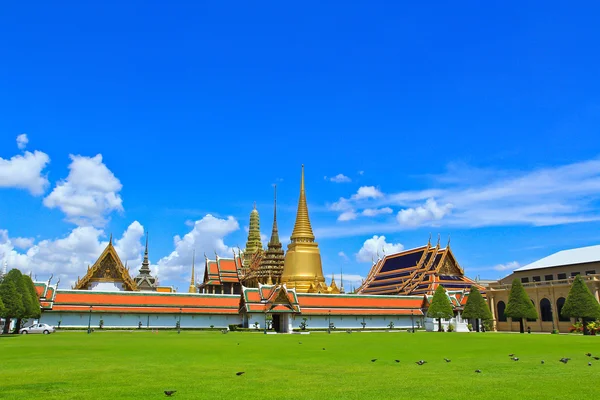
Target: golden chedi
[(302, 266)]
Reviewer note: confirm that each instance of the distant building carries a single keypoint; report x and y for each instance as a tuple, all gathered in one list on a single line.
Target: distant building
[(547, 282)]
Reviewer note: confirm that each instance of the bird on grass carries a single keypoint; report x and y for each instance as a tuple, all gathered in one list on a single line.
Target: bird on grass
[(420, 362), (511, 355), (596, 358), (447, 359), (564, 360), (588, 354), (323, 348), (515, 358), (397, 361), (373, 360), (589, 364), (170, 393), (478, 371), (240, 373), (299, 342), (542, 361)]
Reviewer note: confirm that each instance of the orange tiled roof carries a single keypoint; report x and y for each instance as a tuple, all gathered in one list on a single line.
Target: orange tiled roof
[(81, 300), (359, 304)]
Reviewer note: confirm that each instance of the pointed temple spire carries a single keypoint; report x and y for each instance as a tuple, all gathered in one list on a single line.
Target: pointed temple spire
[(144, 280), (303, 258), (110, 240), (342, 290), (271, 265), (145, 270), (192, 288), (275, 232), (302, 230), (253, 244)]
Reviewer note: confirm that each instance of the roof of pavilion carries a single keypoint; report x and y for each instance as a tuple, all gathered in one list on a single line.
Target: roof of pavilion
[(417, 271), (221, 270), (269, 298), (46, 293)]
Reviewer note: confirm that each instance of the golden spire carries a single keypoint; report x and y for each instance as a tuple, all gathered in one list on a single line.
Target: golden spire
[(193, 279), (302, 229)]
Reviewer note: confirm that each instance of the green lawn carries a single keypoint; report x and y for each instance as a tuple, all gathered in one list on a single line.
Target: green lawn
[(131, 365)]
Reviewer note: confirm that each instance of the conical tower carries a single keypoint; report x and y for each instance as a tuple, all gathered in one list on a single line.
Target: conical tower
[(303, 259), (271, 265), (144, 280), (253, 244), (192, 288)]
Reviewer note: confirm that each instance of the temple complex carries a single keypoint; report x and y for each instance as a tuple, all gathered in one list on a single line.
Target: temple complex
[(255, 286)]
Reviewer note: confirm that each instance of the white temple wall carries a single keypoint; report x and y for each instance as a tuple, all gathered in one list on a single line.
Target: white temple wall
[(354, 322), (113, 320)]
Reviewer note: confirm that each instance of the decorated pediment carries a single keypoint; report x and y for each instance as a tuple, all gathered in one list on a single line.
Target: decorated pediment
[(449, 266), (108, 268)]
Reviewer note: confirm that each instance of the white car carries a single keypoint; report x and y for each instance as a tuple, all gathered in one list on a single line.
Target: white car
[(37, 328)]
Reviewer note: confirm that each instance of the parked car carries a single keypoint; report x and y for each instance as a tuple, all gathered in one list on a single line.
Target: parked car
[(37, 328)]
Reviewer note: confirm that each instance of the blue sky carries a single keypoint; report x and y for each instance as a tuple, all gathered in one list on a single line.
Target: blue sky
[(478, 122)]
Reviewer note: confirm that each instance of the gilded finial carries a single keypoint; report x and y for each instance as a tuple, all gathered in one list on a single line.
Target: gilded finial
[(255, 204), (383, 250), (439, 238), (429, 241), (302, 228), (448, 245), (57, 282), (110, 240)]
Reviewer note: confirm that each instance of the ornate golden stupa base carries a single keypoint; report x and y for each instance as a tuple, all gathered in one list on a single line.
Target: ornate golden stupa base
[(302, 266)]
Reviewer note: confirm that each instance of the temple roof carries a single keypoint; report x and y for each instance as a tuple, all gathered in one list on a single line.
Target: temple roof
[(416, 271), (221, 270), (108, 267)]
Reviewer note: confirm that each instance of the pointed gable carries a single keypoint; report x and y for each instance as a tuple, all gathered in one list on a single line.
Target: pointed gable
[(108, 268)]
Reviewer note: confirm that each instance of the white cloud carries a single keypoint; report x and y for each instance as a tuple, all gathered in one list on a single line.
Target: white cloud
[(367, 192), (347, 216), (343, 255), (23, 243), (207, 236), (373, 212), (508, 266), (340, 178), (89, 194), (426, 213), (68, 257), (363, 193), (377, 245), (361, 172), (25, 172), (22, 141)]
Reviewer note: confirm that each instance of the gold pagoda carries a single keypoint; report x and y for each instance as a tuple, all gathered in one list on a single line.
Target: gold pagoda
[(302, 267)]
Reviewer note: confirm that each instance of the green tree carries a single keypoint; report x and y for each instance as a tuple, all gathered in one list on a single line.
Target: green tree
[(1, 307), (519, 304), (26, 300), (35, 311), (581, 303), (440, 306), (476, 308), (13, 305)]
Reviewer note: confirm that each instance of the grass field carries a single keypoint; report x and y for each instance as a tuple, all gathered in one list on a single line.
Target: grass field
[(132, 365)]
